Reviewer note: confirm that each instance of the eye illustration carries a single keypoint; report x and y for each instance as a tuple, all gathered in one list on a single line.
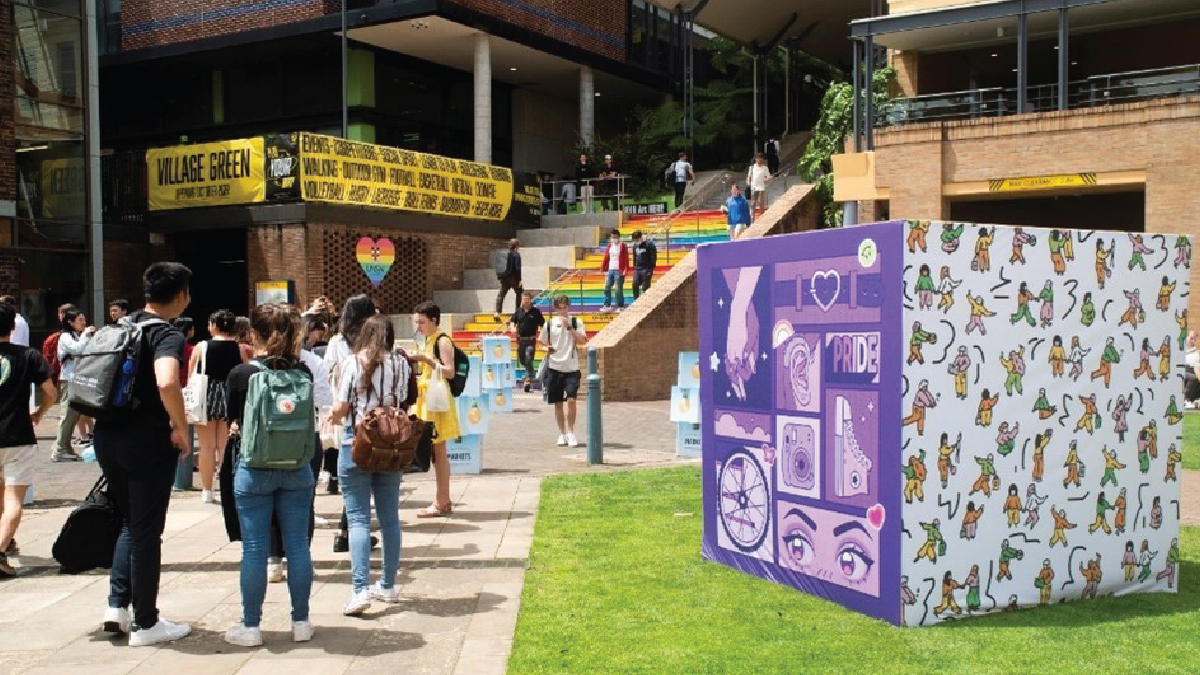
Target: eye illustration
[(800, 548), (854, 563)]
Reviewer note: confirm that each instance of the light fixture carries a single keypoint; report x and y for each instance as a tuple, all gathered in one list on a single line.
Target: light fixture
[(995, 55), (597, 93), (1014, 70), (1074, 63), (1055, 47), (999, 31), (34, 148), (513, 69)]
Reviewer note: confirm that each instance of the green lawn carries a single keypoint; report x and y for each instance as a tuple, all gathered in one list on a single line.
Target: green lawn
[(1191, 441), (616, 585)]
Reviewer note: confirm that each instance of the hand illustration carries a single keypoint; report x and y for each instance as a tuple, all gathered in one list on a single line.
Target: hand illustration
[(741, 343)]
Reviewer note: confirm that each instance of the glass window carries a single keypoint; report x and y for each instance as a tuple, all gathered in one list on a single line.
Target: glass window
[(48, 51), (68, 7), (51, 190)]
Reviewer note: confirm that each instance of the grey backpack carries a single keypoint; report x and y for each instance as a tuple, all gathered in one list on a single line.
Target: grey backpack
[(102, 383)]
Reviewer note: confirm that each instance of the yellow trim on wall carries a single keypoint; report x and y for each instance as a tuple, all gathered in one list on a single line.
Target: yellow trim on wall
[(1049, 184)]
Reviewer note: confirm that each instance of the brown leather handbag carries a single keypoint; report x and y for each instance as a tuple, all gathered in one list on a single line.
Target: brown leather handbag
[(386, 438)]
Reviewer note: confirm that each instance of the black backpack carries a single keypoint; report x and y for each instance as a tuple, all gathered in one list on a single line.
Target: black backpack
[(462, 367), (89, 536)]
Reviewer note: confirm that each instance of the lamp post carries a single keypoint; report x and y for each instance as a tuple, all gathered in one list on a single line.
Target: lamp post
[(345, 77)]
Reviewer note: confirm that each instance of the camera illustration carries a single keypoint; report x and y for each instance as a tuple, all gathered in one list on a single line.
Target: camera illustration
[(852, 467), (799, 448)]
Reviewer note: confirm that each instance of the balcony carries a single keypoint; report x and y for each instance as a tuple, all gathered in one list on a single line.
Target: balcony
[(1095, 91)]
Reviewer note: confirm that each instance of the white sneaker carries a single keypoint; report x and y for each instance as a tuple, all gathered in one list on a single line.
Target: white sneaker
[(318, 521), (302, 631), (163, 631), (206, 496), (243, 636), (65, 457), (562, 440), (572, 441), (116, 620), (275, 572), (358, 603), (389, 595)]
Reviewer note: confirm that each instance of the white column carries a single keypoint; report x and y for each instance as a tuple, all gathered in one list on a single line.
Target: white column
[(483, 99), (587, 106)]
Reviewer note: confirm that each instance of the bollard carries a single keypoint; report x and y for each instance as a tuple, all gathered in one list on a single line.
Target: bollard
[(595, 441), (183, 470)]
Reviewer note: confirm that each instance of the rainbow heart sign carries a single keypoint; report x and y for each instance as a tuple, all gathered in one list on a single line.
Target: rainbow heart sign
[(375, 256)]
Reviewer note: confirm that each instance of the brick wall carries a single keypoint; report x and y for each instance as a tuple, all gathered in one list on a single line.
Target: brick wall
[(124, 263), (1160, 137), (594, 25), (148, 23), (637, 352), (320, 257), (8, 162)]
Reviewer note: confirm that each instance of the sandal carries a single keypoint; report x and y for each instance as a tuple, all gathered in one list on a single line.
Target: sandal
[(432, 511)]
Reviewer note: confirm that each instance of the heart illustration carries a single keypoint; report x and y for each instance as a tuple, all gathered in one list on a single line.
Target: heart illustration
[(826, 287), (375, 257), (875, 516)]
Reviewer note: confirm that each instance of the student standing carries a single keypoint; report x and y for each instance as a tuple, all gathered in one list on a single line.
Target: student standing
[(526, 323), (263, 495), (682, 172), (610, 186), (138, 452), (585, 176), (645, 260), (737, 212), (20, 369), (437, 360), (75, 336), (563, 336), (372, 376), (510, 278), (118, 309), (216, 358), (615, 265)]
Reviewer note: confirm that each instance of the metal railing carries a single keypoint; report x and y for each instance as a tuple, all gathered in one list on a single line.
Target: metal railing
[(1095, 91), (568, 191)]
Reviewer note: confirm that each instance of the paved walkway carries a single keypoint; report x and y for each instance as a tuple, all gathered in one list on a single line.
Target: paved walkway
[(461, 577)]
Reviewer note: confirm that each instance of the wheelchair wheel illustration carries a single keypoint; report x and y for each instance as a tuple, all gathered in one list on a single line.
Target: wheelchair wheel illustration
[(744, 501)]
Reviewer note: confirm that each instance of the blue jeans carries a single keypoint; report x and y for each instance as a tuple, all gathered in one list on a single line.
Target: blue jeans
[(611, 278), (259, 494), (357, 488)]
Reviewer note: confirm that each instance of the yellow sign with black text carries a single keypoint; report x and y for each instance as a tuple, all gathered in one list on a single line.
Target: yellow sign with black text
[(206, 174), (363, 174), (1063, 180)]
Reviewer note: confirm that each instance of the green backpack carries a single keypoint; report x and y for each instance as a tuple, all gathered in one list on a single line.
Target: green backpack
[(279, 421)]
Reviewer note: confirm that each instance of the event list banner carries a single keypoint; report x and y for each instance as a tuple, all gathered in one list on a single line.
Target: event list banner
[(364, 174), (206, 174)]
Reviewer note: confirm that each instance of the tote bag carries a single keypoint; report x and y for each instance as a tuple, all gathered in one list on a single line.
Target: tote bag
[(195, 394)]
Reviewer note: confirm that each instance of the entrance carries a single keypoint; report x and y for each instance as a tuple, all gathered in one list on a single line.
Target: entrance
[(217, 259), (1116, 211)]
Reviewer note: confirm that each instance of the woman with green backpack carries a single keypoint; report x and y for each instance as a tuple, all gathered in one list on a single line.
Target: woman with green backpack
[(271, 407)]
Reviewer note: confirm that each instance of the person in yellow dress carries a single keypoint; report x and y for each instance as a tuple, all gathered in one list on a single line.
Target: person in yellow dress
[(426, 319)]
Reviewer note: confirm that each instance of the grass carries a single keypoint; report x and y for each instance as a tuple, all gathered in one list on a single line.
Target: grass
[(617, 585), (1191, 439)]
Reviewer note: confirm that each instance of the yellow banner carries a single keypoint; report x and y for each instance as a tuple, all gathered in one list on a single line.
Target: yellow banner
[(1063, 180), (206, 174), (63, 190), (364, 174)]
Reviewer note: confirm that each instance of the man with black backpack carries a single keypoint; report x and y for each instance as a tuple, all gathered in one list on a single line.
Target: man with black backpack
[(563, 336), (139, 438)]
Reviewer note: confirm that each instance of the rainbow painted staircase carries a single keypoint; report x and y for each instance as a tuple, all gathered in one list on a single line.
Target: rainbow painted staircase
[(583, 283)]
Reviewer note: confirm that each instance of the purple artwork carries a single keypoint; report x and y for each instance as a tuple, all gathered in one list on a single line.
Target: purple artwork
[(792, 458)]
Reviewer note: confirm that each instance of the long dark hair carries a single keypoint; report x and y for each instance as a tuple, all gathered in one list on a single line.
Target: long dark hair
[(68, 320), (374, 345), (277, 326), (355, 313)]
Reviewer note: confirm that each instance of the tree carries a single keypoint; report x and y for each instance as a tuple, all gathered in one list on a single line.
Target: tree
[(835, 125)]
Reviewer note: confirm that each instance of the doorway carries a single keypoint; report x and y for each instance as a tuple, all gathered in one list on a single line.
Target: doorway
[(1115, 211), (220, 278)]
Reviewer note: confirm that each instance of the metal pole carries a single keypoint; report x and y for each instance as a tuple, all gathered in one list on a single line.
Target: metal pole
[(1064, 58), (345, 77), (595, 440), (849, 213), (787, 91), (857, 87), (869, 91), (94, 192), (755, 104), (1022, 62)]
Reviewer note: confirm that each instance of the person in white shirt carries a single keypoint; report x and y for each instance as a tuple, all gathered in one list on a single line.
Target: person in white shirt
[(758, 177), (20, 333), (563, 336), (75, 336), (682, 172)]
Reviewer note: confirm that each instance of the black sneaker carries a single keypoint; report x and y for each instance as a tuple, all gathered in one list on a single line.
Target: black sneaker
[(12, 549), (7, 571), (332, 487), (341, 543)]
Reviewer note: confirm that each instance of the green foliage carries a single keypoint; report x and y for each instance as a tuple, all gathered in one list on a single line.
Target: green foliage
[(834, 127)]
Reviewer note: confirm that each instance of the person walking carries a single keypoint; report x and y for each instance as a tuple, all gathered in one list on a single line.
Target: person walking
[(369, 378), (615, 265), (510, 278), (681, 171), (138, 452), (263, 495), (75, 336), (563, 336), (645, 260), (737, 212), (526, 323), (437, 360), (772, 150), (216, 358), (21, 368), (585, 176), (757, 178)]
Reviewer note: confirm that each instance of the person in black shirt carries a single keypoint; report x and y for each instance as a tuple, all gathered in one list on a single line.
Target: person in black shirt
[(585, 176), (527, 323), (510, 278), (610, 187), (645, 259), (138, 452), (20, 368)]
